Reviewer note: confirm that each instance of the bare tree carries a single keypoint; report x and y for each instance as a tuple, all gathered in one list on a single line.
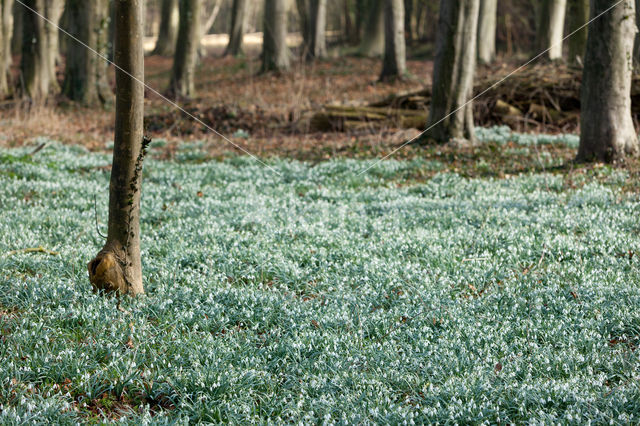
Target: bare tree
[(86, 74), (551, 27), (168, 31), (373, 39), (39, 47), (607, 132), (451, 115), (6, 31), (182, 83), (237, 28), (578, 16), (313, 14), (275, 53), (394, 64), (487, 31), (117, 267)]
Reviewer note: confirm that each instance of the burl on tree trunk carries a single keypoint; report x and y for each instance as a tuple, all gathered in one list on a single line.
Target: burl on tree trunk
[(117, 267)]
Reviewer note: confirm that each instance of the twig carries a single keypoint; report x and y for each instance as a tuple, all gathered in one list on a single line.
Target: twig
[(39, 249), (95, 210), (38, 149)]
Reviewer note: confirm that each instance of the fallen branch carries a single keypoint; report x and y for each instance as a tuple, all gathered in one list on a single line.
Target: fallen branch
[(32, 250)]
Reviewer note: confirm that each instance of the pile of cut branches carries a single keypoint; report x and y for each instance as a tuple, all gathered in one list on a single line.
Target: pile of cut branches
[(540, 97)]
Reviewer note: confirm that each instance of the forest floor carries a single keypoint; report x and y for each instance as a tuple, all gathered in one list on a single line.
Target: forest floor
[(333, 292)]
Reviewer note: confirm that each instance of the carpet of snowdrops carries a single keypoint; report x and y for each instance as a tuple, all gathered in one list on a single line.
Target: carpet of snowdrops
[(319, 294)]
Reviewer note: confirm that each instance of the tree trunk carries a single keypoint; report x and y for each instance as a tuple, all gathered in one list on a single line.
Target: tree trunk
[(373, 39), (54, 10), (275, 53), (313, 15), (36, 55), (6, 31), (451, 117), (578, 11), (636, 46), (168, 31), (394, 64), (86, 74), (184, 63), (117, 267), (16, 39), (606, 127), (236, 31), (487, 31), (408, 19), (551, 28)]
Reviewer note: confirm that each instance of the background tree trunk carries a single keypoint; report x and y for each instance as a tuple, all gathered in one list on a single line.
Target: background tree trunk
[(487, 31), (36, 55), (6, 31), (168, 31), (118, 267), (636, 46), (454, 70), (16, 39), (184, 62), (551, 28), (275, 53), (578, 15), (236, 31), (54, 10), (313, 16), (408, 19), (86, 74), (373, 39), (606, 127), (394, 64)]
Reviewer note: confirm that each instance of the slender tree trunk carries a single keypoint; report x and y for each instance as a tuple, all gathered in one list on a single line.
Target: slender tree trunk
[(117, 267), (578, 16), (275, 53), (168, 31), (606, 127), (408, 19), (16, 39), (361, 17), (86, 74), (394, 64), (551, 28), (184, 63), (211, 19), (6, 31), (487, 31), (313, 15), (35, 62), (636, 46), (451, 117), (373, 39), (236, 31), (54, 10)]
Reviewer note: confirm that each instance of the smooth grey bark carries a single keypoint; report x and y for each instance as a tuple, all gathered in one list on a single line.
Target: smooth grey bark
[(53, 10), (211, 19), (551, 28), (168, 30), (578, 16), (275, 53), (394, 64), (86, 74), (236, 31), (182, 83), (487, 31), (118, 267), (6, 31), (451, 115), (313, 15), (372, 44), (607, 132)]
